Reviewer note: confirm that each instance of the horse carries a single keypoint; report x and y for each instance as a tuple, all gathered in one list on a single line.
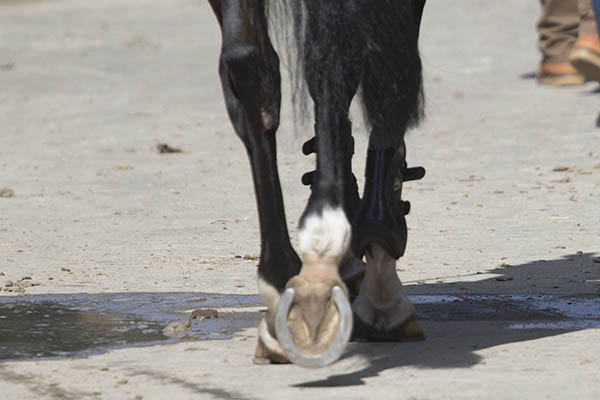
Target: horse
[(343, 283)]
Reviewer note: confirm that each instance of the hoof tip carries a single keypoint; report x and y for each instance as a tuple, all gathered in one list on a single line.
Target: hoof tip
[(262, 356), (410, 330)]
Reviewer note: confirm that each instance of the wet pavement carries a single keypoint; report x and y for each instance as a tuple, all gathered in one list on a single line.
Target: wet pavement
[(80, 325)]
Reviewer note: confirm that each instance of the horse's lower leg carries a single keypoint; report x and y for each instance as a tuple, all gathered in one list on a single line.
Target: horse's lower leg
[(351, 267), (332, 75), (249, 71), (382, 309), (325, 234)]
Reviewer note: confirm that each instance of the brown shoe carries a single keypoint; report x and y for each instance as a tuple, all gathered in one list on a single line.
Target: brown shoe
[(559, 74), (585, 56)]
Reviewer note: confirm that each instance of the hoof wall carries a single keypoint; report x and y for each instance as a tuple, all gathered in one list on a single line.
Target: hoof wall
[(408, 331), (262, 356)]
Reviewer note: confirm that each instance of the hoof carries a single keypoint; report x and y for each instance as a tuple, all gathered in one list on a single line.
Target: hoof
[(268, 350), (407, 331), (313, 321), (264, 356), (382, 310)]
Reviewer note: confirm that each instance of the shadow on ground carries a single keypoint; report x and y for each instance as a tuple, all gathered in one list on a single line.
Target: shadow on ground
[(452, 341), (576, 274)]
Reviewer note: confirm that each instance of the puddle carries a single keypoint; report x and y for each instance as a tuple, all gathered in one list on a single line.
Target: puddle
[(520, 308), (559, 325), (61, 326), (81, 325)]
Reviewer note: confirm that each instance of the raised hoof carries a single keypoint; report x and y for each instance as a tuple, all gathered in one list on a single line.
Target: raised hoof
[(313, 317), (407, 331), (313, 322)]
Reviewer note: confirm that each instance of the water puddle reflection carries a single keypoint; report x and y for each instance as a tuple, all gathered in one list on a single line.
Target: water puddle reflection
[(84, 324)]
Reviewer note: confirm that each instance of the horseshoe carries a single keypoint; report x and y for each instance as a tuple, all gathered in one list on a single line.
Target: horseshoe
[(337, 346)]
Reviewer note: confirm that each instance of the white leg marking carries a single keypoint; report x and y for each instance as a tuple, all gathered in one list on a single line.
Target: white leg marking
[(326, 236)]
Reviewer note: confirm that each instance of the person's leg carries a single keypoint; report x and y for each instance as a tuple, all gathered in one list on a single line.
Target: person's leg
[(596, 5), (586, 51), (558, 29), (587, 26)]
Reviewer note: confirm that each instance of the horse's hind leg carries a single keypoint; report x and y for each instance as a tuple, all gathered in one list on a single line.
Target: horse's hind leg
[(382, 309), (391, 96), (249, 71)]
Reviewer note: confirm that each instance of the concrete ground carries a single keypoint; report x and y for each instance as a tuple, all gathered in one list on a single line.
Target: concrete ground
[(509, 206)]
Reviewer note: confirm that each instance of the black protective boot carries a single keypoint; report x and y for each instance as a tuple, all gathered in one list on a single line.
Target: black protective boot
[(381, 215), (351, 197)]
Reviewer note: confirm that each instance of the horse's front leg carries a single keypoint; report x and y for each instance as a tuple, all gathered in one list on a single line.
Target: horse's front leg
[(249, 71), (319, 320)]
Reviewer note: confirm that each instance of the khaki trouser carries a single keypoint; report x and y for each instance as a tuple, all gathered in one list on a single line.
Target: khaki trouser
[(561, 23)]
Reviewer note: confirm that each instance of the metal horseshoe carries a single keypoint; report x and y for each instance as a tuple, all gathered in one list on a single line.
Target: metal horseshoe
[(337, 346)]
